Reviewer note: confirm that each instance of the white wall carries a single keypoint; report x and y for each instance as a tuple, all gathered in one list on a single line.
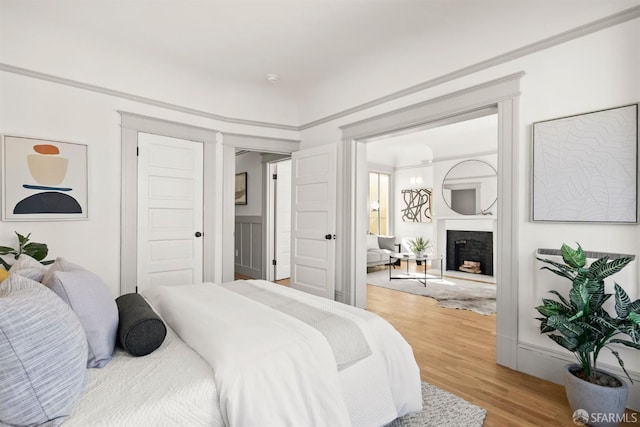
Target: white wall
[(596, 71), (251, 163), (42, 109)]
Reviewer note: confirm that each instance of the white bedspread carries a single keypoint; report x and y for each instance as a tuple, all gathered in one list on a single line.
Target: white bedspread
[(172, 386), (381, 387), (270, 369)]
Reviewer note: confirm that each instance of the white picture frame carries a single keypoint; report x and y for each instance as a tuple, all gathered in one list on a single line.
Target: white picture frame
[(43, 180), (585, 167)]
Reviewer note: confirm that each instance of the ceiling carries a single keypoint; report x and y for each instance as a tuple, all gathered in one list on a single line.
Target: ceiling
[(472, 137), (308, 41)]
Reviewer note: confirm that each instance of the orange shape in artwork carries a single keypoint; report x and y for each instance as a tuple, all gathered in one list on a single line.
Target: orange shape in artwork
[(46, 149)]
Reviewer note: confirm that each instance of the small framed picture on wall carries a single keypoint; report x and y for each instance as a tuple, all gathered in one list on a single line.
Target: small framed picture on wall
[(241, 188)]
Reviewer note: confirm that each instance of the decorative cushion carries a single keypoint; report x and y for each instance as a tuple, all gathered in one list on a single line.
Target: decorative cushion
[(3, 274), (387, 242), (27, 266), (140, 330), (43, 355), (372, 242), (91, 300)]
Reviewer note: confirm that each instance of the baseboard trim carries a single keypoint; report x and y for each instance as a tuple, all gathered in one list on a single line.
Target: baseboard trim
[(248, 271), (548, 364)]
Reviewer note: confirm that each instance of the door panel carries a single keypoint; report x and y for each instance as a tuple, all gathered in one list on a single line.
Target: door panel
[(283, 220), (170, 174), (313, 218)]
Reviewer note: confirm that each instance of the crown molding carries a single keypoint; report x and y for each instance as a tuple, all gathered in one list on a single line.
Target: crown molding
[(136, 98), (583, 30)]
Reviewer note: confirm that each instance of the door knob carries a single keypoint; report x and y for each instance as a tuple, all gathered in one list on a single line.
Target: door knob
[(198, 234), (327, 236)]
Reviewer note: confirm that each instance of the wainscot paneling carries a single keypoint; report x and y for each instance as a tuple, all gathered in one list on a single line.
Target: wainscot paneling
[(248, 246)]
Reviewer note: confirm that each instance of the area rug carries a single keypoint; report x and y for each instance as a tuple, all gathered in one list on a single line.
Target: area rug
[(441, 408), (450, 293)]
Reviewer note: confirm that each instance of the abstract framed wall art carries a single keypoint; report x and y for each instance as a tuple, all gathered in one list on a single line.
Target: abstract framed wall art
[(43, 180), (585, 167), (416, 205)]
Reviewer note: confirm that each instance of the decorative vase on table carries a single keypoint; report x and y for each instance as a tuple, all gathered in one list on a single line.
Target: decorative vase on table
[(601, 405)]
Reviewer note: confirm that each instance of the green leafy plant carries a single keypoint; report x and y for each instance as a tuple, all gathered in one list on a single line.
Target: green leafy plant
[(419, 244), (37, 251), (580, 322)]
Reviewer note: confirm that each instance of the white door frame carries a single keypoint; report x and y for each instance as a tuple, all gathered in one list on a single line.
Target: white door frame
[(501, 94), (219, 199), (132, 124)]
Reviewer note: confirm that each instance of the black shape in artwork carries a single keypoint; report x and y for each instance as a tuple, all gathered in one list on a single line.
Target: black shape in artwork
[(417, 205), (51, 202)]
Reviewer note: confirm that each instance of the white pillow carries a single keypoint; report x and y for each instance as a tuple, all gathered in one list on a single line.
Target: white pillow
[(372, 242), (27, 266)]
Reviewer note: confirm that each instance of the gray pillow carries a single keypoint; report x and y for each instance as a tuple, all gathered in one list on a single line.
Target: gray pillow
[(43, 354), (91, 300), (387, 242), (27, 266), (140, 330)]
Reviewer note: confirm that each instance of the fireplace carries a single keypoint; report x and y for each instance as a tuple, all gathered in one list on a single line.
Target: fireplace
[(470, 251)]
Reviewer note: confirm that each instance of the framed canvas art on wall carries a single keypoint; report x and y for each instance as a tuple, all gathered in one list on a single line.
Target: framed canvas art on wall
[(585, 167), (43, 180), (241, 188), (416, 205)]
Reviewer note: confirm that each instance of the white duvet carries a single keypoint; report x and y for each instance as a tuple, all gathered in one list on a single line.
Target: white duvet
[(273, 370), (252, 366)]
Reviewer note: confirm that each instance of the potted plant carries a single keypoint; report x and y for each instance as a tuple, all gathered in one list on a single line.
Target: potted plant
[(37, 251), (419, 245), (581, 324)]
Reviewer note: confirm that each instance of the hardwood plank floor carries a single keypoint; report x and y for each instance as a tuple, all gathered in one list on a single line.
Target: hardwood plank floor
[(455, 350)]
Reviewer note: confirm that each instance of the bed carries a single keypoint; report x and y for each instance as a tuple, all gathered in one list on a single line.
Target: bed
[(249, 353)]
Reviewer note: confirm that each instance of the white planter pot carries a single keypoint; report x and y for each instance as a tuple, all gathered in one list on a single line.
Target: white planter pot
[(603, 406)]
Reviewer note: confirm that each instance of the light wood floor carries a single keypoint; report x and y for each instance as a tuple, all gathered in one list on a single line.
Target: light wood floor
[(455, 350)]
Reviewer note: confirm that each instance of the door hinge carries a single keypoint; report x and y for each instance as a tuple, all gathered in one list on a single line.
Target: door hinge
[(274, 176), (274, 262), (136, 289), (137, 151)]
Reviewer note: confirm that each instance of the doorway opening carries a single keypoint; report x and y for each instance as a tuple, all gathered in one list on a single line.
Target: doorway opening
[(262, 220), (500, 96)]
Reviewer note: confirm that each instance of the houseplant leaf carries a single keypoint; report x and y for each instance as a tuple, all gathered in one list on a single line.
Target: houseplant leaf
[(37, 251), (612, 267), (622, 301), (575, 258)]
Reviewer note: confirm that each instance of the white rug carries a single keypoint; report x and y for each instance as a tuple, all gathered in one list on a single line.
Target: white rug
[(450, 293), (442, 408)]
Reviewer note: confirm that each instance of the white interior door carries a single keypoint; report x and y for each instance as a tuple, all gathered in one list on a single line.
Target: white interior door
[(170, 182), (282, 233), (313, 219)]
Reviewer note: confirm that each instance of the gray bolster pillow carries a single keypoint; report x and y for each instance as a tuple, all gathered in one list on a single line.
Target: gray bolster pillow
[(140, 330)]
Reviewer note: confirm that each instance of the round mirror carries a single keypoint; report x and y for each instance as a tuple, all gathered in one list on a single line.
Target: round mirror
[(471, 188)]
